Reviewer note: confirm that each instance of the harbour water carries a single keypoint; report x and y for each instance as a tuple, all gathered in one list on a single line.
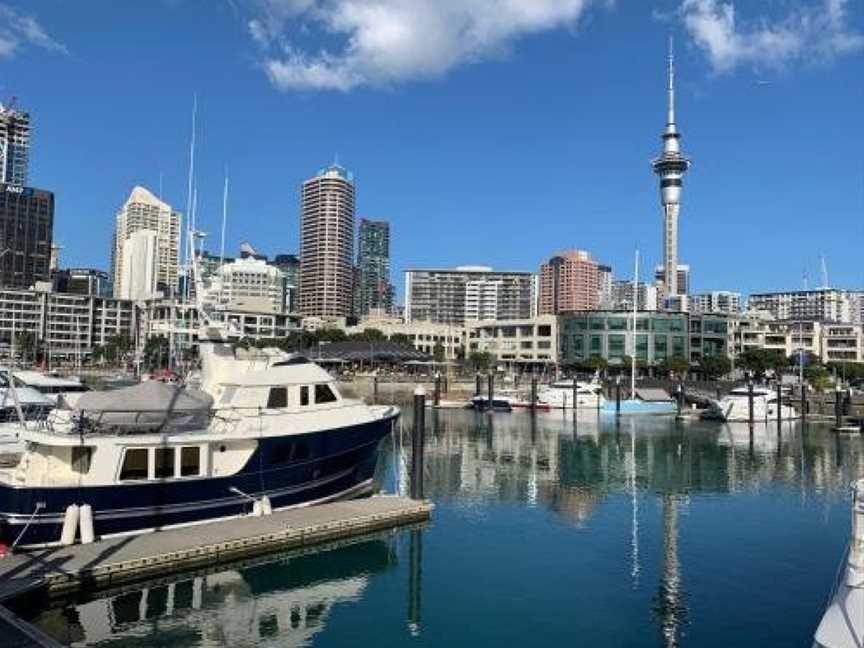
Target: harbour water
[(643, 533)]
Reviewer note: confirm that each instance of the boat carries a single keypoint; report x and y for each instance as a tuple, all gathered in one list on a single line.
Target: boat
[(842, 624), (266, 430), (653, 402), (559, 395), (499, 403), (51, 386), (735, 406)]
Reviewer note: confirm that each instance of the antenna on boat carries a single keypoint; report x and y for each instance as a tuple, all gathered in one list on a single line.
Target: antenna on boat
[(190, 189)]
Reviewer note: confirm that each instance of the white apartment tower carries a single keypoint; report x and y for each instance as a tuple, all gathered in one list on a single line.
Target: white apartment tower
[(327, 244), (139, 266), (144, 211), (14, 145)]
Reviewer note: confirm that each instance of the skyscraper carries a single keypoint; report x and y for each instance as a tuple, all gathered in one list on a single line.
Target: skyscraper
[(373, 263), (14, 145), (670, 168), (26, 232), (569, 281), (327, 243), (144, 211)]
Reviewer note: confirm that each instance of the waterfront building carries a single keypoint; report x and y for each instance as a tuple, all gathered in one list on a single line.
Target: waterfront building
[(422, 335), (327, 244), (248, 278), (26, 232), (824, 304), (82, 281), (569, 282), (14, 146), (716, 301), (622, 296), (66, 326), (468, 293), (143, 211), (519, 346), (373, 265), (670, 168)]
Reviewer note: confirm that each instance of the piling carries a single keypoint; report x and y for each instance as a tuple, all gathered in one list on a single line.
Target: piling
[(618, 396), (803, 402), (750, 415), (417, 443), (575, 396), (374, 390), (477, 384), (490, 388), (838, 407), (437, 398), (779, 405), (533, 392)]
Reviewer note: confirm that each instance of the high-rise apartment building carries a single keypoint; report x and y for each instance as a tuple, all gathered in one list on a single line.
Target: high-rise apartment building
[(622, 296), (139, 266), (569, 282), (289, 264), (823, 305), (716, 301), (604, 286), (14, 145), (144, 211), (327, 244), (468, 293), (373, 264), (26, 233), (682, 279)]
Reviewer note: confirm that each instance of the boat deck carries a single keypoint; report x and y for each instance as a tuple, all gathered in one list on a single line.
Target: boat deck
[(114, 560)]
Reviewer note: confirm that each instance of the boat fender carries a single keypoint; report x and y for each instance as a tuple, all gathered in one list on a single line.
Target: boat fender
[(266, 507), (85, 522), (70, 525), (256, 509)]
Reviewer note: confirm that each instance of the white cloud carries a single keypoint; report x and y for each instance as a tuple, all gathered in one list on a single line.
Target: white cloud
[(18, 30), (389, 41), (813, 30)]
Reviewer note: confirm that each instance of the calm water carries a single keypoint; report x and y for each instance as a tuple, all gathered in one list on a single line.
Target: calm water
[(648, 534)]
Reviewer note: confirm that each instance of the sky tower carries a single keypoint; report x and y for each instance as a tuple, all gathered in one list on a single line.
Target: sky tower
[(670, 167)]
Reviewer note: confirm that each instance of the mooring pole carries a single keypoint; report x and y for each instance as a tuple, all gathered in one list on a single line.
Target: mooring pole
[(437, 400), (477, 384), (678, 397), (750, 402), (838, 407), (779, 405), (533, 392), (374, 390), (491, 389), (803, 402), (618, 396), (417, 443)]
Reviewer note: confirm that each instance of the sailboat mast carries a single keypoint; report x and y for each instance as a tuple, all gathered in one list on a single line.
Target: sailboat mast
[(633, 329)]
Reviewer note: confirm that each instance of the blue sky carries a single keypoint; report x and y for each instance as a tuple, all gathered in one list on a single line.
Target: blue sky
[(485, 131)]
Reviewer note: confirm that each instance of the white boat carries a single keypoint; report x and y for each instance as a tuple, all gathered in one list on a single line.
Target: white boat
[(842, 625), (266, 431), (559, 395), (53, 387), (735, 406)]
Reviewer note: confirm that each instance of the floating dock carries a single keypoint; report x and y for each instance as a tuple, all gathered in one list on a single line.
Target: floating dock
[(129, 558)]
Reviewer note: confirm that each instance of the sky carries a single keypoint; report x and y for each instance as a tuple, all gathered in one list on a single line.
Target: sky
[(494, 132)]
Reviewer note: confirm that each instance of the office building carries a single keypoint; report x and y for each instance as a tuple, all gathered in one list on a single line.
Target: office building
[(825, 304), (14, 146), (468, 293), (289, 264), (82, 281), (569, 282), (143, 211), (622, 296), (716, 301), (327, 244), (373, 265), (247, 281), (670, 168), (26, 232)]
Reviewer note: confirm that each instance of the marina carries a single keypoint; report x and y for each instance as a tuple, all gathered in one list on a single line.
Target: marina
[(546, 529)]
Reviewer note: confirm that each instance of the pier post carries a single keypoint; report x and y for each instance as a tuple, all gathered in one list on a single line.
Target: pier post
[(575, 396), (374, 390), (750, 402), (490, 388), (617, 395), (803, 402), (437, 400), (533, 392), (417, 439), (779, 405), (477, 384), (838, 407)]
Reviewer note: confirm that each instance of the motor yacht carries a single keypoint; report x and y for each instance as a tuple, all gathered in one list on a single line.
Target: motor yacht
[(559, 395), (735, 406)]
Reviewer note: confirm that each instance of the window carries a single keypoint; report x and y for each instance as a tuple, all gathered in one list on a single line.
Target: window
[(278, 397), (190, 461), (304, 395), (134, 464), (81, 460), (164, 463), (617, 345), (323, 394)]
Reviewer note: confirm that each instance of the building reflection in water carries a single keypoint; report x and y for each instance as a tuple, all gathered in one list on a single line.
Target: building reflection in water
[(286, 601)]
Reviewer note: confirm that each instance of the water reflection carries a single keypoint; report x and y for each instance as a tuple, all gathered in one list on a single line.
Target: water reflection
[(285, 600)]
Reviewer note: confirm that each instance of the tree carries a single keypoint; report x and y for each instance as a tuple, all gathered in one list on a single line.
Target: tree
[(674, 365), (715, 366), (401, 339), (758, 361), (596, 364), (480, 361), (25, 345), (369, 335), (438, 353), (847, 370), (156, 353)]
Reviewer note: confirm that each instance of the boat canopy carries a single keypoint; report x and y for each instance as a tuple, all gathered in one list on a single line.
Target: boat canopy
[(150, 404)]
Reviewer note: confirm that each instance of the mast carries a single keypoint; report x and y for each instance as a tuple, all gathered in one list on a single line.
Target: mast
[(633, 330)]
